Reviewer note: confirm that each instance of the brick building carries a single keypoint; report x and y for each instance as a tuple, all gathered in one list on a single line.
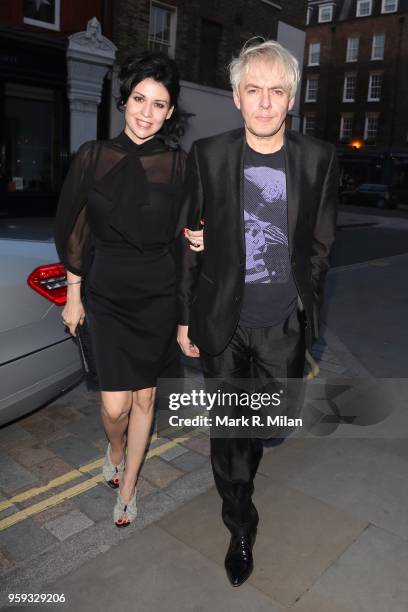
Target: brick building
[(34, 107), (355, 86), (202, 36), (41, 124)]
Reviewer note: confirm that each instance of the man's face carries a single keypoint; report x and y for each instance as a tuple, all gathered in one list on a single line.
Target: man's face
[(263, 98)]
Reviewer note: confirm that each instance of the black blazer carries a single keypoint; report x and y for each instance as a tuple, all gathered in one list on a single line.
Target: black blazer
[(212, 283)]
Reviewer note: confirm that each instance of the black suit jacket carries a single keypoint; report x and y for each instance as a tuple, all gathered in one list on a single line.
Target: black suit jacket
[(212, 283)]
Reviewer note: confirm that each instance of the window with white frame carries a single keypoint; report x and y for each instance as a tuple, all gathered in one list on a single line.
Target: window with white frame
[(309, 15), (312, 85), (371, 126), (162, 28), (374, 87), (352, 49), (364, 8), (42, 13), (346, 126), (325, 13), (377, 48), (314, 54), (309, 125), (349, 88), (389, 6)]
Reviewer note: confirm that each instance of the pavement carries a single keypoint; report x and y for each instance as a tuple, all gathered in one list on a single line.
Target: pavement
[(333, 535)]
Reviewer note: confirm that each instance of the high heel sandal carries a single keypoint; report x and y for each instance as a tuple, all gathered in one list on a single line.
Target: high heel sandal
[(111, 472), (122, 507)]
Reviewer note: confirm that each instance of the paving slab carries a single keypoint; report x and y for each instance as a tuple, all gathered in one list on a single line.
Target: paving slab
[(42, 428), (172, 453), (48, 470), (29, 452), (51, 513), (189, 461), (176, 579), (371, 575), (97, 503), (88, 429), (289, 459), (14, 476), (314, 602), (13, 434), (74, 451), (158, 472), (191, 484), (288, 556), (361, 480), (199, 444), (25, 539), (67, 525)]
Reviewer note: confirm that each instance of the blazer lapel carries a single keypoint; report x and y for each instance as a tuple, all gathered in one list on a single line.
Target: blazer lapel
[(293, 178), (235, 152)]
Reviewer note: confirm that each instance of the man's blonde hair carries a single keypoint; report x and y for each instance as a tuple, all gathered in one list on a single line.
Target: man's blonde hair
[(266, 50)]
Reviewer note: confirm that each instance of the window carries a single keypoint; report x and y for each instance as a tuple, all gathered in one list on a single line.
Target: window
[(349, 89), (363, 8), (314, 54), (377, 49), (309, 125), (312, 84), (210, 41), (371, 126), (42, 13), (309, 15), (346, 126), (31, 120), (325, 13), (352, 49), (162, 28), (389, 6), (374, 87)]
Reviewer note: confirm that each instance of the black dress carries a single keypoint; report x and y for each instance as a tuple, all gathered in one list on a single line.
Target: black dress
[(116, 225)]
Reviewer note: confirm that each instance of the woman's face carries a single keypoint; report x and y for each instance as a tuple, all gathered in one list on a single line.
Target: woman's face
[(146, 109)]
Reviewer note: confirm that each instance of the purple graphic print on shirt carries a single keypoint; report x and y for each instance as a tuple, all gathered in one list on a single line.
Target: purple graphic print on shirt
[(265, 225)]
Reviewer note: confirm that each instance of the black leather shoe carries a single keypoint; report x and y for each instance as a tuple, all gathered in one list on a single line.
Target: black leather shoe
[(238, 561)]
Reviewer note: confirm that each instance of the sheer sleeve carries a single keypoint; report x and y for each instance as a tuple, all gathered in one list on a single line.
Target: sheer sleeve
[(72, 235)]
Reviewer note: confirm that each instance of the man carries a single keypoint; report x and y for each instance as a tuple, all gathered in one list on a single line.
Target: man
[(249, 304)]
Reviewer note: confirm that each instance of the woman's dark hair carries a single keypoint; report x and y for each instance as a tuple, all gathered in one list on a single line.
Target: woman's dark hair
[(155, 65)]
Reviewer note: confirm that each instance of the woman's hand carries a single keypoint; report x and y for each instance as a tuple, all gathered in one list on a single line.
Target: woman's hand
[(73, 314), (196, 238)]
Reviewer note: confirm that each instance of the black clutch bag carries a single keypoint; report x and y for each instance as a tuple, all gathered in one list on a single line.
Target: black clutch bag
[(83, 340)]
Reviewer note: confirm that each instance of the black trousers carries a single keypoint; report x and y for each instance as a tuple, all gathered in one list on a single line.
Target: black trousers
[(262, 354)]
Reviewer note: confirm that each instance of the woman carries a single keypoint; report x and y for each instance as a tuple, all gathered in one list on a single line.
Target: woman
[(116, 224)]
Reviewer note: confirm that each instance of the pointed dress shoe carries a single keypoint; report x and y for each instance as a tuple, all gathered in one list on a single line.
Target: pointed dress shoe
[(238, 561)]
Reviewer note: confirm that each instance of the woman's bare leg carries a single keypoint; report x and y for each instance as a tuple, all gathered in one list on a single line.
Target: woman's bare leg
[(115, 409), (140, 423)]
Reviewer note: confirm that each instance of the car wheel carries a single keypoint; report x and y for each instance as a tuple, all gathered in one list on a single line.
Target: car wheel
[(381, 203)]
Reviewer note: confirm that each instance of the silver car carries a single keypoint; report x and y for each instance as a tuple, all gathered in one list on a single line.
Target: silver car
[(38, 359)]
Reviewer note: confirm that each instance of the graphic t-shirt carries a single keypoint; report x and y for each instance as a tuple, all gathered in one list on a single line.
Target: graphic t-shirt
[(270, 292)]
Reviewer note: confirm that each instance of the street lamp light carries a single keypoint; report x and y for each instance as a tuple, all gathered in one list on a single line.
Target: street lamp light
[(356, 144)]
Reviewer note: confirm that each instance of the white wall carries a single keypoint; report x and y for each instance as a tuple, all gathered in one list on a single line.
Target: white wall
[(214, 112)]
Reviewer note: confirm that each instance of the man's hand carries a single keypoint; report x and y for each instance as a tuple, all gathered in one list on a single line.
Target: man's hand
[(188, 348), (196, 238)]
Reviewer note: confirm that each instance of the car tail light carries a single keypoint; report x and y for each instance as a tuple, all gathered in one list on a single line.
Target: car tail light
[(51, 282)]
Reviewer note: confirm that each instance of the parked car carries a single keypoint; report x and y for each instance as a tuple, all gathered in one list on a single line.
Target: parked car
[(372, 194), (38, 359)]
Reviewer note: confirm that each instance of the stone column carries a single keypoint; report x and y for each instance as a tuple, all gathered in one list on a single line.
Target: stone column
[(89, 57)]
